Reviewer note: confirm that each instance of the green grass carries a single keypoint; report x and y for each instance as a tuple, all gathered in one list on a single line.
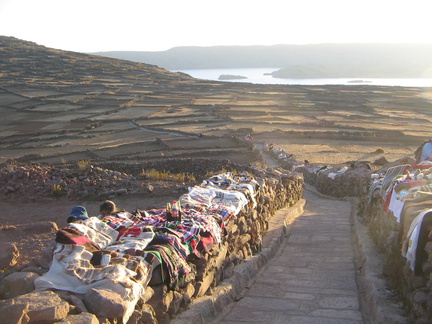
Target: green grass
[(153, 174)]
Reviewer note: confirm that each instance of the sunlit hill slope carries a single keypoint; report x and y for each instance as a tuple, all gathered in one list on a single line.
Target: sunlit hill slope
[(65, 106)]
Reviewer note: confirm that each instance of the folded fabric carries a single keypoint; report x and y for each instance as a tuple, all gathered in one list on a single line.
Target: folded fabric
[(71, 235), (98, 232), (127, 243), (71, 270), (201, 195)]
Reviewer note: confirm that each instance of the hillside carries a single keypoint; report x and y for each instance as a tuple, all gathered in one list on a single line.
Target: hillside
[(62, 106), (298, 61)]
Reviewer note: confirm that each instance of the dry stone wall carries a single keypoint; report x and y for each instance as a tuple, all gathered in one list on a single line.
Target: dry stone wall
[(338, 182), (413, 287), (278, 188), (342, 181), (100, 180)]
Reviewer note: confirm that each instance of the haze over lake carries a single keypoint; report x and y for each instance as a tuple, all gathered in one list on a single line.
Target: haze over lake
[(260, 76)]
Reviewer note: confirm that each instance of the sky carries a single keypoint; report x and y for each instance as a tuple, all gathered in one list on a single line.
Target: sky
[(157, 25)]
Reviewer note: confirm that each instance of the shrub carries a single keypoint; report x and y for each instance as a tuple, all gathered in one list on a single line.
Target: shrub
[(57, 190), (82, 164)]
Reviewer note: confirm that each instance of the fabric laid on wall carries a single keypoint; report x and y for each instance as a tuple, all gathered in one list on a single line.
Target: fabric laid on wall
[(411, 243)]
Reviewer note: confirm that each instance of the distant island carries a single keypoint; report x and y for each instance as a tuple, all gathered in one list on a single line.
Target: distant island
[(358, 81), (231, 77)]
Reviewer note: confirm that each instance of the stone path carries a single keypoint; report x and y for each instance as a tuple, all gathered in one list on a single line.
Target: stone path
[(312, 278)]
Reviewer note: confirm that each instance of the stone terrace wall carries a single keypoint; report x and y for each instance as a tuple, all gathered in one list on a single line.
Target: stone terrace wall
[(278, 188), (100, 180), (354, 182)]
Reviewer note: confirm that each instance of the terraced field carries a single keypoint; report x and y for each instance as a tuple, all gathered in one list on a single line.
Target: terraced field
[(64, 106)]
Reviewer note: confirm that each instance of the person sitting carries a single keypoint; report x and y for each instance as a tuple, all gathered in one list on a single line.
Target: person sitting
[(107, 208), (78, 214), (426, 154)]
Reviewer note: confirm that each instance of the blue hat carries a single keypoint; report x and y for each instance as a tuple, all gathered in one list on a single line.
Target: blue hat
[(79, 212)]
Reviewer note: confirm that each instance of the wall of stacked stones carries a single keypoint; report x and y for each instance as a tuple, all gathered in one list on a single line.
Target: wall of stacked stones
[(278, 189), (415, 290), (354, 182), (98, 179), (245, 232)]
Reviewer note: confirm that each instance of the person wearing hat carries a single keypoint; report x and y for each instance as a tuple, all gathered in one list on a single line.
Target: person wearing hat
[(78, 213)]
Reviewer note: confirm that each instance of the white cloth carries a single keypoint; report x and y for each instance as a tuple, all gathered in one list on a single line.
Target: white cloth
[(333, 175), (396, 205), (235, 198), (66, 261), (97, 231), (409, 246), (139, 243), (201, 195)]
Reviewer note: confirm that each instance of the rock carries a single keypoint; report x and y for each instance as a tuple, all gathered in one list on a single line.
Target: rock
[(149, 292), (8, 255), (189, 292), (163, 318), (74, 300), (40, 227), (135, 318), (175, 303), (45, 258), (104, 320), (83, 318), (44, 306), (381, 161), (14, 314), (31, 267), (202, 286), (161, 299), (19, 283), (228, 270), (121, 192), (421, 295), (148, 314), (242, 225), (428, 247), (105, 303)]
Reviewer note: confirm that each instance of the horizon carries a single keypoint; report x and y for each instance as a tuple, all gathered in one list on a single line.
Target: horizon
[(271, 45), (134, 25)]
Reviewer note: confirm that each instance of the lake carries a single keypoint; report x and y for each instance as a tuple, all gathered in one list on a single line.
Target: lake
[(257, 75)]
